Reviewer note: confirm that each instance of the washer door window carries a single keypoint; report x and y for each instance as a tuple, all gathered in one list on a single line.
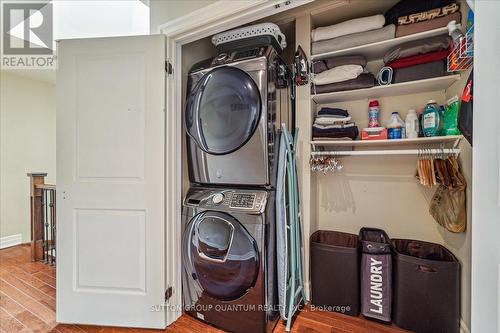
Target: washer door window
[(223, 110), (221, 254)]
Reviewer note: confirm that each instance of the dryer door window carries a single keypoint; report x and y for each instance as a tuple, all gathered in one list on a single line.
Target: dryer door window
[(223, 110), (221, 255)]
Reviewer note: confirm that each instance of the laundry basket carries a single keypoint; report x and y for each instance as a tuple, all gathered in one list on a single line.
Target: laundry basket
[(335, 271), (376, 274), (426, 287)]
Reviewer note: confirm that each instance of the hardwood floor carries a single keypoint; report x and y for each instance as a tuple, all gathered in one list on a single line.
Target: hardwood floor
[(28, 303)]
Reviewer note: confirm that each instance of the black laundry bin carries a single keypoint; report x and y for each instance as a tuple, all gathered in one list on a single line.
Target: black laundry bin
[(376, 274), (335, 272), (426, 287)]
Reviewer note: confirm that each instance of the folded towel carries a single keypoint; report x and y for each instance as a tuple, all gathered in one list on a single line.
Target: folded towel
[(365, 80), (419, 59), (407, 7), (421, 46), (333, 126), (384, 76), (348, 27), (429, 14), (346, 132), (440, 22), (338, 74), (420, 72), (331, 120), (322, 65), (336, 112), (353, 40)]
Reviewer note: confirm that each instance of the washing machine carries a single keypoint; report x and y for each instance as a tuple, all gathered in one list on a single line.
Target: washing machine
[(235, 106), (228, 258)]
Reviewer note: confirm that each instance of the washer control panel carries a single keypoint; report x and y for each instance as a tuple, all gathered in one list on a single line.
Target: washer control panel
[(242, 200), (231, 200)]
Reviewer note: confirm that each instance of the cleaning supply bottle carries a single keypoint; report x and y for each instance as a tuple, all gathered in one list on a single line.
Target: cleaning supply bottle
[(450, 118), (455, 33), (411, 123), (431, 119), (373, 114), (395, 127)]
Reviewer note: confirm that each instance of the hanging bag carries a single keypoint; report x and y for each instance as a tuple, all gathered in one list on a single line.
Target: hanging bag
[(376, 274), (448, 205)]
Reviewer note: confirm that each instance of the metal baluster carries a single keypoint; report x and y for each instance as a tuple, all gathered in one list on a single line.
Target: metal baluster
[(44, 226), (53, 226)]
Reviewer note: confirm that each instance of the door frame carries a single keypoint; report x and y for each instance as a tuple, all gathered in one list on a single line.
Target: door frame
[(204, 22)]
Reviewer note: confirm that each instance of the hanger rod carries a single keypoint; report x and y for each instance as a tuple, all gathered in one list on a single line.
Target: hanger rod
[(422, 152)]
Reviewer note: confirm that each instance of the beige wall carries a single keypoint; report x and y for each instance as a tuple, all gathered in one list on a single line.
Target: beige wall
[(163, 11), (27, 144)]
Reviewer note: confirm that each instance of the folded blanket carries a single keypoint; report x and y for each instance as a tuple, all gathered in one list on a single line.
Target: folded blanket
[(407, 7), (419, 59), (337, 133), (420, 72), (334, 112), (338, 74), (333, 127), (365, 80), (415, 47), (331, 120), (414, 28), (322, 65), (348, 27), (353, 40), (429, 14)]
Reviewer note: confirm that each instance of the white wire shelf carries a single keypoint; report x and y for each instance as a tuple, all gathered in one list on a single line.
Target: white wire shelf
[(396, 89), (374, 51), (394, 143), (447, 145)]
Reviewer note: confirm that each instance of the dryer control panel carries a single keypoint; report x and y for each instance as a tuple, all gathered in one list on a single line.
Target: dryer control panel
[(231, 200)]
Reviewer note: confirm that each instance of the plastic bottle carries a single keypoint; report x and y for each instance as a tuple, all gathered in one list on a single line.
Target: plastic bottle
[(450, 119), (396, 127), (431, 119), (373, 114), (411, 123), (455, 33)]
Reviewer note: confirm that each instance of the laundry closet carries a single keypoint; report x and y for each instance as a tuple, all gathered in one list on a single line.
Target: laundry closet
[(363, 185), (377, 191)]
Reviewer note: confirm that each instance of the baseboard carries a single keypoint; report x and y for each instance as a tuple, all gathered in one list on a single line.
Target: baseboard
[(463, 327), (11, 240)]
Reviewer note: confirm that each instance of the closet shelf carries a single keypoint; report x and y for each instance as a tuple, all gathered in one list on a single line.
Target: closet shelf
[(396, 89), (374, 51), (379, 143)]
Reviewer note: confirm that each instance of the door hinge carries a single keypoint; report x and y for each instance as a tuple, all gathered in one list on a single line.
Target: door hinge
[(169, 68), (168, 293)]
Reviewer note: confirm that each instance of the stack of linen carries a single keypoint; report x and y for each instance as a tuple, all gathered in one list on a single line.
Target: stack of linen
[(420, 59), (414, 16), (351, 33), (334, 123), (340, 74)]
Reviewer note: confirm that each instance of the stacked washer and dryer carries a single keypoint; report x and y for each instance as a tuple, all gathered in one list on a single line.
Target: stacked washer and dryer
[(235, 106)]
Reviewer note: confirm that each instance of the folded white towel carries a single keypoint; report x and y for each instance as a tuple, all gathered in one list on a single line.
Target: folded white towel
[(348, 27), (336, 126), (338, 74), (330, 120)]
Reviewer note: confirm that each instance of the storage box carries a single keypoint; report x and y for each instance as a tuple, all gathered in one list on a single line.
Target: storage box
[(426, 287), (335, 272)]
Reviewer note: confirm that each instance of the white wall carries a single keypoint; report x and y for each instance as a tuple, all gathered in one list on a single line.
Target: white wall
[(162, 11), (27, 144), (486, 170)]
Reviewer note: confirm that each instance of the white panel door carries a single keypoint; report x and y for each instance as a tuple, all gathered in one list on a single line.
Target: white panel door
[(110, 178)]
